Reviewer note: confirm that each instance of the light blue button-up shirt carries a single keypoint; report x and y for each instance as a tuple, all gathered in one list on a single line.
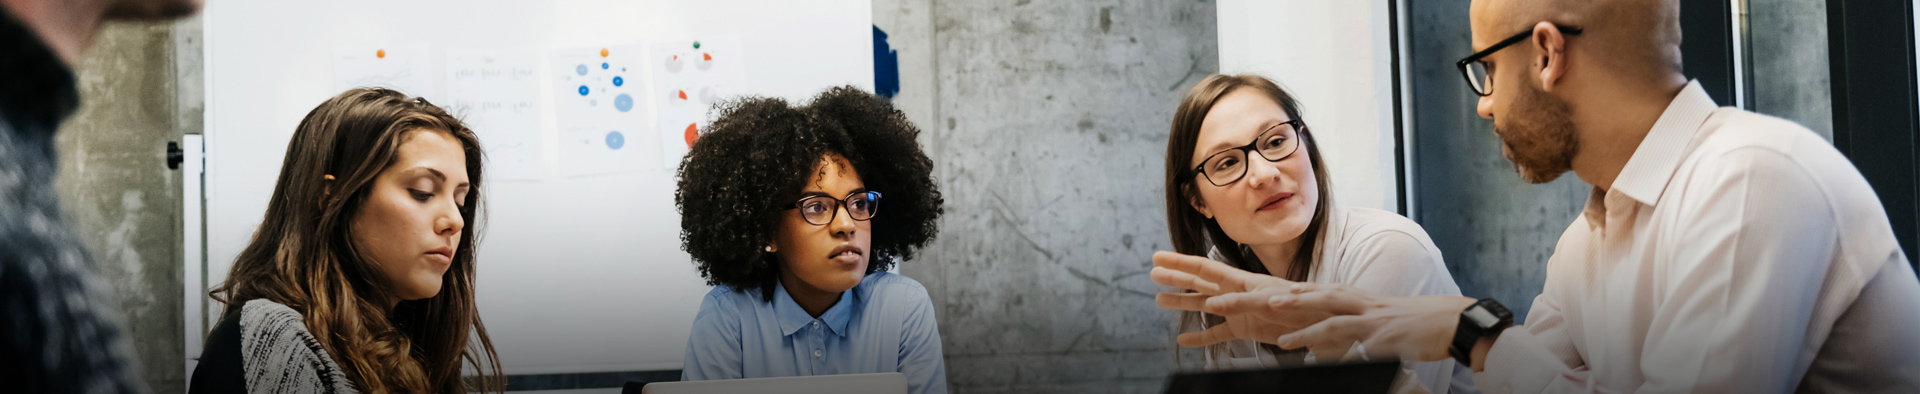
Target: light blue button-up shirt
[(884, 324)]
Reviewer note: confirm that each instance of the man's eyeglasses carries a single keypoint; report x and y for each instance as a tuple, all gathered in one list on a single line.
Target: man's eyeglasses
[(819, 209), (1275, 144), (1476, 71)]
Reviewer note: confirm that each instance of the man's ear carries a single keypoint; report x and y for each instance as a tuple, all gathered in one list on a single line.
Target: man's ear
[(1550, 49), (327, 185)]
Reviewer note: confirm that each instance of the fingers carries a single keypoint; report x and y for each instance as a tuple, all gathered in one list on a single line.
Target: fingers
[(1321, 298), (1183, 281), (1212, 335), (1229, 278), (1181, 301), (1335, 333), (1238, 303)]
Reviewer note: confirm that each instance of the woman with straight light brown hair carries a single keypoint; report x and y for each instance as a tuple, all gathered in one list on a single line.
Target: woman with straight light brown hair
[(360, 278), (1246, 185)]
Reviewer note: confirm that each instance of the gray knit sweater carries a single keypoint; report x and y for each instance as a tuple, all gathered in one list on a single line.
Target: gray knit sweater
[(279, 355)]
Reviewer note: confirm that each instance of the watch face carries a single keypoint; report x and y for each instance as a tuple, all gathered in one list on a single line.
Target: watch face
[(1481, 317)]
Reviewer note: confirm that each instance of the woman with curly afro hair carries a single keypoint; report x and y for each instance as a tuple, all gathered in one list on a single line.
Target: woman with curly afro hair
[(781, 209)]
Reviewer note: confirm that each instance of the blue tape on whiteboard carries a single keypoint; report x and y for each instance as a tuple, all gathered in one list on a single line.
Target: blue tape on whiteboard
[(886, 66)]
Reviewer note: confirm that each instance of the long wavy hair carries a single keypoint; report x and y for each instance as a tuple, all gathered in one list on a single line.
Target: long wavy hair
[(1194, 233), (304, 257)]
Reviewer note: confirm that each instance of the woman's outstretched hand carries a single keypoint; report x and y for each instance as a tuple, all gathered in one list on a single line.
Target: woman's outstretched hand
[(1239, 296), (1327, 319)]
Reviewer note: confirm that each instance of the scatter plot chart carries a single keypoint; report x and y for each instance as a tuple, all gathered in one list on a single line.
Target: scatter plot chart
[(405, 68), (497, 93), (690, 77), (596, 111)]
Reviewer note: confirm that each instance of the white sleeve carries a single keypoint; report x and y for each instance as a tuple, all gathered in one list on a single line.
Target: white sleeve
[(1396, 263)]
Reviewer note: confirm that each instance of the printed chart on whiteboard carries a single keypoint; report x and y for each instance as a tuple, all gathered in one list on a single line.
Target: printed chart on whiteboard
[(598, 113), (400, 67), (497, 93), (691, 76)]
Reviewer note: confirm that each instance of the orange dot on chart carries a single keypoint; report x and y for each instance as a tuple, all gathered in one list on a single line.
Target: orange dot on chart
[(683, 94), (693, 133), (603, 52), (380, 53), (708, 56)]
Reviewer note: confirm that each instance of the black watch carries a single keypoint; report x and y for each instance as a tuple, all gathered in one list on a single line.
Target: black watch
[(1482, 319)]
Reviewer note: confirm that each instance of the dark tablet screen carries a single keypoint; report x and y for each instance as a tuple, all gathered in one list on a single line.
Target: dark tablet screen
[(1358, 378)]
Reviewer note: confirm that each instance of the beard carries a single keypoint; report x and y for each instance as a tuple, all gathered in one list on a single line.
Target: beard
[(1539, 137)]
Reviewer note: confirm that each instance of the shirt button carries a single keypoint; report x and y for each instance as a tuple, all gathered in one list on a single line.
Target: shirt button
[(816, 324), (816, 352)]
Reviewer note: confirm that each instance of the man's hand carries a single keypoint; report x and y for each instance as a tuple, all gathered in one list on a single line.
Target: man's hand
[(1420, 328)]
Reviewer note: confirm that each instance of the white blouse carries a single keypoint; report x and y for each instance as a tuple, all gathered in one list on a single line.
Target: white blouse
[(1382, 253)]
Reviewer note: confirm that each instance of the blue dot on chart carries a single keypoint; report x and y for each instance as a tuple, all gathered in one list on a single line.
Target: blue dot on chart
[(623, 103), (615, 140), (581, 69), (583, 90), (603, 66), (617, 81)]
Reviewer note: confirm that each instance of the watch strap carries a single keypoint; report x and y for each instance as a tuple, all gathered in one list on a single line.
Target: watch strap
[(1484, 318)]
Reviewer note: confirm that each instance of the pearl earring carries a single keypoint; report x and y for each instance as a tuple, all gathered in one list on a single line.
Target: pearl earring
[(769, 248)]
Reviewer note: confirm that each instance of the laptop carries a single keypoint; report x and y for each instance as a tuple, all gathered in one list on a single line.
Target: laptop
[(878, 383), (1357, 378)]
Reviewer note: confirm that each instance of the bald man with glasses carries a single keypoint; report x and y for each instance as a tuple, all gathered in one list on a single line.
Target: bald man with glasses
[(1719, 251)]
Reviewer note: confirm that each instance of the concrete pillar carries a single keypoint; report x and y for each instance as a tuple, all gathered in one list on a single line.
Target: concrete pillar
[(1047, 122), (117, 189)]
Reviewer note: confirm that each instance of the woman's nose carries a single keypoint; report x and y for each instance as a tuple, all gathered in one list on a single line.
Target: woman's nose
[(1260, 172), (449, 222), (842, 221)]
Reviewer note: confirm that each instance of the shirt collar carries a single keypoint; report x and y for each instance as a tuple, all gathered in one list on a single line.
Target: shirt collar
[(40, 87), (793, 318), (1645, 176)]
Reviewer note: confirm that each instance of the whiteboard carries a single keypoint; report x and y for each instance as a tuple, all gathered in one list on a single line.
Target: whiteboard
[(576, 273)]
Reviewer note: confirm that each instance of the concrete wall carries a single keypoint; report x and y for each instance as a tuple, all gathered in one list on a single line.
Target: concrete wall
[(1789, 62), (1047, 123), (123, 199)]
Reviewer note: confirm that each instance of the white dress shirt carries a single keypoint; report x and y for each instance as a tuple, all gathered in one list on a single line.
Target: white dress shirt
[(1380, 252), (1735, 253)]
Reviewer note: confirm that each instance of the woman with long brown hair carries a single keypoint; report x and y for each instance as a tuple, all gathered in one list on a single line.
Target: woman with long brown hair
[(1246, 185), (360, 277)]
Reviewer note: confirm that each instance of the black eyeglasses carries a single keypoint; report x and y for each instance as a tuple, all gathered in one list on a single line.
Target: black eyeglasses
[(1476, 71), (1275, 144), (819, 209)]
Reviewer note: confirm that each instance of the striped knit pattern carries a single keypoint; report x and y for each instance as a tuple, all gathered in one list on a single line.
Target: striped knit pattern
[(279, 355)]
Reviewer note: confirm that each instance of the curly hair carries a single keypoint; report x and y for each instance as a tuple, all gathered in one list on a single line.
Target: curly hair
[(752, 163)]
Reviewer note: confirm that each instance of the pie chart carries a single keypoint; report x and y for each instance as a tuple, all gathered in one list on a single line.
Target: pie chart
[(693, 133)]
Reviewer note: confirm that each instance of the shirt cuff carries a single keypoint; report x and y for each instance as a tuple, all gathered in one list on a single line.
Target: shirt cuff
[(1512, 365)]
